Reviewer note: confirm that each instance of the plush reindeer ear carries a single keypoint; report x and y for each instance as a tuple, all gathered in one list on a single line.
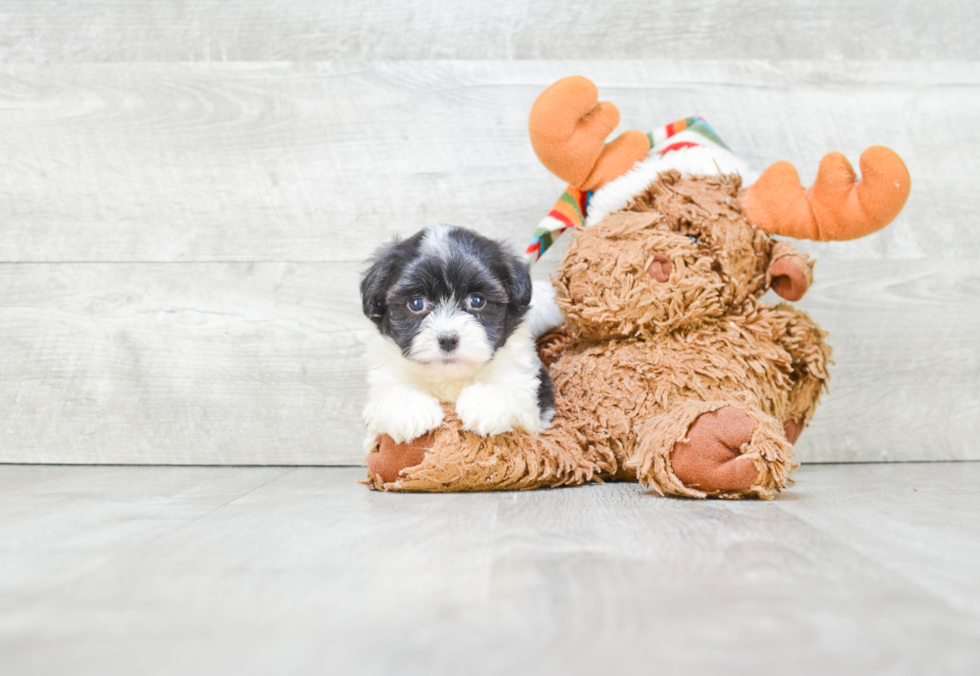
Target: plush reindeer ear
[(385, 268)]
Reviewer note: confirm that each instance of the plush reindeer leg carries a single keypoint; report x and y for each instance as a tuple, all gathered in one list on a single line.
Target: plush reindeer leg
[(718, 449), (798, 335), (451, 459), (568, 126), (837, 206)]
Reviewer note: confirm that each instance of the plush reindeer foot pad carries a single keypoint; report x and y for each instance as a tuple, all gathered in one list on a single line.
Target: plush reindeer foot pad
[(711, 458), (385, 464)]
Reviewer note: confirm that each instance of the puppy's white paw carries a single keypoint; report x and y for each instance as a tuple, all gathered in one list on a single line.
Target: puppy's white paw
[(405, 416), (487, 410)]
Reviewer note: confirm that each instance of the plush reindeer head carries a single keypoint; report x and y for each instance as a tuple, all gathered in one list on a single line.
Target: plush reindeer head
[(680, 255), (689, 249)]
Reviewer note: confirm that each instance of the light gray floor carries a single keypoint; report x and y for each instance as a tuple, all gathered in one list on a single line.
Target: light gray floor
[(204, 570)]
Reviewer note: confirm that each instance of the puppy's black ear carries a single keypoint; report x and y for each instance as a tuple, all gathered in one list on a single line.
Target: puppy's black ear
[(518, 290), (385, 267)]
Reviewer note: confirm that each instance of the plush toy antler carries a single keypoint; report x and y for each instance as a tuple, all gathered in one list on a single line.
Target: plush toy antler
[(837, 206), (568, 127)]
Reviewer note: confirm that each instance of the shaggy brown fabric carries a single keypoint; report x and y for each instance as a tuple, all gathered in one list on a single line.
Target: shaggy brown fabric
[(767, 448), (462, 461), (647, 367)]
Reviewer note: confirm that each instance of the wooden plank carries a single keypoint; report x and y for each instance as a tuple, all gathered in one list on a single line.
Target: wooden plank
[(571, 555), (236, 30), (878, 510), (181, 363), (905, 384), (205, 570), (234, 363), (321, 162), (25, 477), (57, 531)]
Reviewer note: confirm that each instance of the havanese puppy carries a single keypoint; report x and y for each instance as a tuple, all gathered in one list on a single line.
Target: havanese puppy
[(457, 325)]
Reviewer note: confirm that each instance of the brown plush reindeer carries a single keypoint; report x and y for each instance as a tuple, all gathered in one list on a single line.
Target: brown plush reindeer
[(670, 370)]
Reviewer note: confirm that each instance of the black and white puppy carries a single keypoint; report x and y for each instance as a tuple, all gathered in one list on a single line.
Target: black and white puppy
[(456, 324)]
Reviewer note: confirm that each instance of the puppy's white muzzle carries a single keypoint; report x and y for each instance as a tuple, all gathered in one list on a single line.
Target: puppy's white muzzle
[(451, 342)]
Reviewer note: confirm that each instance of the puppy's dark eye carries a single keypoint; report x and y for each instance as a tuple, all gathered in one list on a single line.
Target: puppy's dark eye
[(416, 305), (476, 301)]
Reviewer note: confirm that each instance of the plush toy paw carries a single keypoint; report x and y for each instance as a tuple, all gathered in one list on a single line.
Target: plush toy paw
[(487, 410), (386, 464), (788, 279), (711, 458)]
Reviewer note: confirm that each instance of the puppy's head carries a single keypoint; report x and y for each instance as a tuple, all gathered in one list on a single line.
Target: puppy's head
[(447, 296)]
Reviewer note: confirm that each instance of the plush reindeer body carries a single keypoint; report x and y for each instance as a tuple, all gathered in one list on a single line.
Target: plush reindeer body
[(646, 364), (670, 370)]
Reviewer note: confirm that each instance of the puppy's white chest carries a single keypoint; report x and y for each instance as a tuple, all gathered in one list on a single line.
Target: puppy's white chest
[(448, 391)]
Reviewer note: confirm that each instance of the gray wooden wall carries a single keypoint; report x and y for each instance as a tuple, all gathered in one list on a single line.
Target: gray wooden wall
[(188, 190)]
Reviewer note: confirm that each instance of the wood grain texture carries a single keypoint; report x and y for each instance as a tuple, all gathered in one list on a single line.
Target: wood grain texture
[(180, 242), (307, 30), (234, 363), (321, 162), (181, 363), (905, 384), (121, 570)]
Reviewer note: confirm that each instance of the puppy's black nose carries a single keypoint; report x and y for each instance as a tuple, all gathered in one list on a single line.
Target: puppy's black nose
[(447, 341)]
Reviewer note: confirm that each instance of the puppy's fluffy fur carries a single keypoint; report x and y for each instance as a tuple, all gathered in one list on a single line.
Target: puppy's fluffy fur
[(452, 310)]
